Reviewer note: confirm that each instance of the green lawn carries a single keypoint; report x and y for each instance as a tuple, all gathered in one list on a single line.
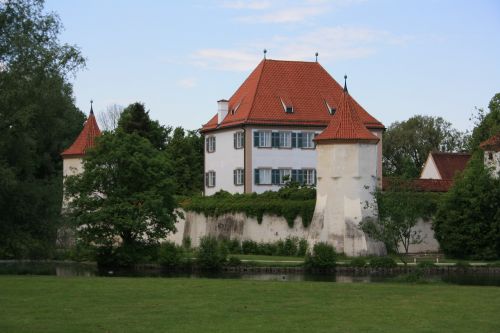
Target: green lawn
[(52, 304)]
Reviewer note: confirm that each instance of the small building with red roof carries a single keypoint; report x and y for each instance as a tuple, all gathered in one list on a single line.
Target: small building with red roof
[(73, 156), (264, 134), (491, 149), (444, 166)]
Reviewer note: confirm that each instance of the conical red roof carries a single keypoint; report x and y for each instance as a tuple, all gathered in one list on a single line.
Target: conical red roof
[(346, 125), (86, 139)]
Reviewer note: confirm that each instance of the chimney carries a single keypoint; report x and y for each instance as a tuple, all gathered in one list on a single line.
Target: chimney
[(223, 108)]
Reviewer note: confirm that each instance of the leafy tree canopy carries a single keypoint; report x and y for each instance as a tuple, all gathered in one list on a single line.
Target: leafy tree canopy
[(124, 196), (487, 124), (38, 119), (467, 224), (407, 144), (135, 119)]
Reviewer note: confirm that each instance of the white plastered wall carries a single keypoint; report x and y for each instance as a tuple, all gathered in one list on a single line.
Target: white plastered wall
[(494, 163), (223, 161), (430, 170)]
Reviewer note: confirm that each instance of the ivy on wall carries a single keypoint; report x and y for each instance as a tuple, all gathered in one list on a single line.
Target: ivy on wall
[(289, 202)]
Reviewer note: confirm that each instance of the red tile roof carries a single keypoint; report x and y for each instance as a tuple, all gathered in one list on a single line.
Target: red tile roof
[(307, 86), (448, 164), (492, 143), (421, 185), (85, 140), (346, 125)]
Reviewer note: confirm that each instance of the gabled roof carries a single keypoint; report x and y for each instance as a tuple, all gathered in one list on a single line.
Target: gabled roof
[(448, 164), (307, 86), (421, 185), (492, 143), (86, 139), (345, 124)]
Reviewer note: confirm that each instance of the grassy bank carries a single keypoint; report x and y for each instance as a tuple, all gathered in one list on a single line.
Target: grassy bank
[(51, 304)]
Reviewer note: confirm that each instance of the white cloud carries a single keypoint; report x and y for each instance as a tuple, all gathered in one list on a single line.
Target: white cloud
[(187, 82), (242, 4), (332, 43)]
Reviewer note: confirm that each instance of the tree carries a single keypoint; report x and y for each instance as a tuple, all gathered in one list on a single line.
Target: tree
[(486, 125), (122, 202), (407, 144), (185, 150), (38, 119), (467, 223), (399, 209), (135, 119), (109, 118)]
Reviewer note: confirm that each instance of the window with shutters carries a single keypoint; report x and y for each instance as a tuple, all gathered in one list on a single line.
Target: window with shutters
[(285, 139), (262, 139), (239, 140), (210, 143), (309, 176), (263, 176), (307, 140), (238, 177), (210, 179), (284, 176)]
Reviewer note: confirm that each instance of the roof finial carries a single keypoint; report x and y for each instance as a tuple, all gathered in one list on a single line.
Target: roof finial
[(345, 83), (317, 54), (265, 51), (91, 109)]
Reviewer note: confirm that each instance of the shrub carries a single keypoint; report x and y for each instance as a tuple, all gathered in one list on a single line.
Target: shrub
[(425, 264), (462, 264), (233, 246), (170, 255), (323, 256), (267, 249), (186, 243), (383, 262), (303, 246), (249, 247), (358, 262), (291, 246), (233, 261), (211, 255)]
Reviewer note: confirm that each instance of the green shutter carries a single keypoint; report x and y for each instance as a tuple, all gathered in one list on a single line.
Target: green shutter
[(257, 179), (294, 140), (235, 180), (300, 138), (275, 177), (235, 137), (275, 139), (256, 139)]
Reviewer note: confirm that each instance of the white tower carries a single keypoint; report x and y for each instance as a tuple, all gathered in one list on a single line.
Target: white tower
[(346, 171)]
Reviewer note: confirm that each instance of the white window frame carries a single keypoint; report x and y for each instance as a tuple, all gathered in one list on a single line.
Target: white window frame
[(285, 139), (268, 172), (264, 139), (240, 136), (309, 175), (240, 176), (283, 174), (308, 143), (211, 178), (210, 144)]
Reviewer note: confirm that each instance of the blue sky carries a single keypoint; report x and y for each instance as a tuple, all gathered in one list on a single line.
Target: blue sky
[(431, 57)]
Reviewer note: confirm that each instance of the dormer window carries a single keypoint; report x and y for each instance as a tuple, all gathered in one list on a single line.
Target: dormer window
[(287, 106), (331, 110), (235, 108)]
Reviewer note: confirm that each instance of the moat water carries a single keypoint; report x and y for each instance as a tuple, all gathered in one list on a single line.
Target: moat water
[(72, 269)]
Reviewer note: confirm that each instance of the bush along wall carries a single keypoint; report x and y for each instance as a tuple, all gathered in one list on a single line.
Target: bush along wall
[(289, 202)]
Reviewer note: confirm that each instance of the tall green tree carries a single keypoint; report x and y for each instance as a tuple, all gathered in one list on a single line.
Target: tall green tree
[(407, 144), (185, 150), (467, 223), (487, 124), (38, 119), (135, 119), (122, 202)]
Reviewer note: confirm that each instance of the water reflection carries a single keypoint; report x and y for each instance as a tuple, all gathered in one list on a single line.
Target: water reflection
[(69, 269)]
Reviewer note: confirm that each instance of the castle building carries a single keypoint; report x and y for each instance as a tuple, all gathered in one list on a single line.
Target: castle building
[(264, 134)]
